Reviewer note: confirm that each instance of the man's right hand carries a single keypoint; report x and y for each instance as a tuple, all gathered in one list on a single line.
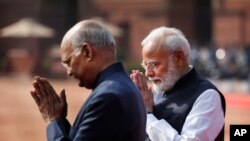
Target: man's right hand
[(146, 92)]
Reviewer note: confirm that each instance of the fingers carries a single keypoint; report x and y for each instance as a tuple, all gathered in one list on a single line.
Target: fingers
[(35, 97), (139, 79), (134, 76), (37, 90), (142, 81), (42, 95), (146, 92), (52, 97), (46, 100), (38, 85), (45, 88), (50, 105), (48, 87)]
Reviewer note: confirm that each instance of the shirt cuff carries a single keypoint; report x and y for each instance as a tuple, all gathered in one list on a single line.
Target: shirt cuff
[(151, 118)]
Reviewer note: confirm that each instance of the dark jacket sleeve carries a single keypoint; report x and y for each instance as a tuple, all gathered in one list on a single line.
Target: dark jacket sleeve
[(58, 130), (103, 121)]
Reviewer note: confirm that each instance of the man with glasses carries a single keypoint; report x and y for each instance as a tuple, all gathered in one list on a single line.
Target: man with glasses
[(181, 105), (114, 111)]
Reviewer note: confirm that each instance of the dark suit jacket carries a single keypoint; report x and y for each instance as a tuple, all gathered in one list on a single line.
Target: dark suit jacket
[(113, 112)]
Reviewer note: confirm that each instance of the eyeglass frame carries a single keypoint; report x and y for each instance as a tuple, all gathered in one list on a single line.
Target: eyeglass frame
[(152, 65)]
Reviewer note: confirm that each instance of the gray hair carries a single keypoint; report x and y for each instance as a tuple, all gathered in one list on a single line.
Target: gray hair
[(93, 33), (171, 38)]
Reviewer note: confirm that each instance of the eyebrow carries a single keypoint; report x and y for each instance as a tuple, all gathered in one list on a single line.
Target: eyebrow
[(150, 61), (66, 60), (70, 55)]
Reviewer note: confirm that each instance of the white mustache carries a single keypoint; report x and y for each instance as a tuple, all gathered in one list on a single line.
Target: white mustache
[(154, 78)]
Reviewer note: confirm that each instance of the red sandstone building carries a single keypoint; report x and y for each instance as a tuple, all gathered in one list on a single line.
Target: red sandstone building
[(221, 22)]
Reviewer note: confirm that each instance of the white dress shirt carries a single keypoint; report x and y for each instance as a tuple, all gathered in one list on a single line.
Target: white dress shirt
[(203, 123)]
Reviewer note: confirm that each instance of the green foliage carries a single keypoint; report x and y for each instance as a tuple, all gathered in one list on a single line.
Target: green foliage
[(132, 65)]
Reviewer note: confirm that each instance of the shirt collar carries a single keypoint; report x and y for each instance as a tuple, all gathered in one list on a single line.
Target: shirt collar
[(108, 71)]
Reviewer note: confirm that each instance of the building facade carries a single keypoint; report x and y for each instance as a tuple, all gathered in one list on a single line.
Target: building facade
[(219, 22)]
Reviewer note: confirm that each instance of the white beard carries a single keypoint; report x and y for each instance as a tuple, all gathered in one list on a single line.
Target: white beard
[(167, 81)]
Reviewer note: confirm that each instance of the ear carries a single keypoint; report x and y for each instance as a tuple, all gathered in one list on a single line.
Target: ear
[(88, 51), (179, 58)]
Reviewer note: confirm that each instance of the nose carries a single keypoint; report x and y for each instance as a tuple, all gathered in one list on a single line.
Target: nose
[(149, 73)]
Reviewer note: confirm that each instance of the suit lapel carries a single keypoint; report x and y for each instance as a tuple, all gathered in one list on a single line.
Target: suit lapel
[(79, 117)]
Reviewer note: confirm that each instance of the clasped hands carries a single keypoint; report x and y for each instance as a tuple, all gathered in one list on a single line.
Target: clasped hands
[(50, 104), (146, 92)]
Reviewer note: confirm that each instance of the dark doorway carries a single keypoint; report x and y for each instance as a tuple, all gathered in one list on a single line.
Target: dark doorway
[(203, 23), (181, 15), (193, 17), (123, 42)]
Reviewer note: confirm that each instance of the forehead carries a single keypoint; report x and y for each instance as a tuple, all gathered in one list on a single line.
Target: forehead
[(152, 52), (66, 49)]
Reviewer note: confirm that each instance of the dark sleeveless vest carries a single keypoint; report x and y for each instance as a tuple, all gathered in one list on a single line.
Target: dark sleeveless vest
[(180, 99)]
